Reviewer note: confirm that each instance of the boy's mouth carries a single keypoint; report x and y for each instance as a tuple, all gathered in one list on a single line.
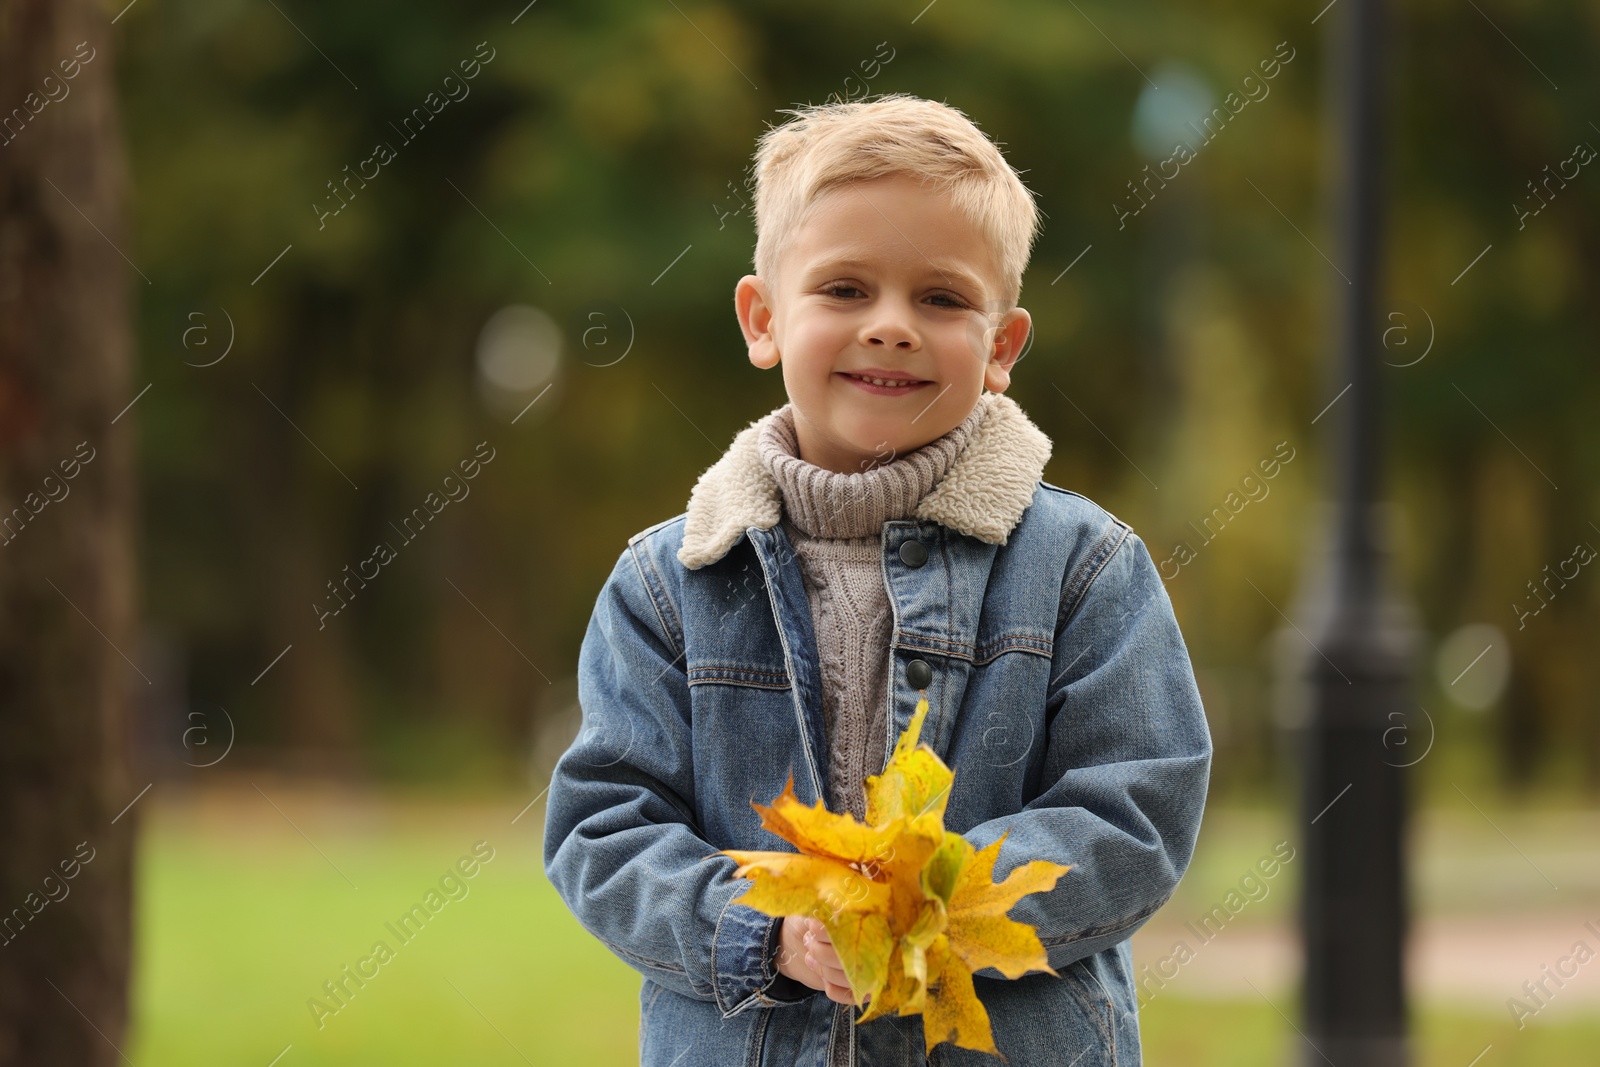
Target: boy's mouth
[(884, 385)]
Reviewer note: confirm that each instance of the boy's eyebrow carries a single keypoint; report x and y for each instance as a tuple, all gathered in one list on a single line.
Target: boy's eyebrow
[(952, 274)]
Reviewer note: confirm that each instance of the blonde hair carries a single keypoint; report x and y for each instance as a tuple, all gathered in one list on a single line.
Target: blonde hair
[(826, 145)]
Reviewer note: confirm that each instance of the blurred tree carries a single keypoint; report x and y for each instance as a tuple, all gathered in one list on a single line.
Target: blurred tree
[(67, 578), (595, 168)]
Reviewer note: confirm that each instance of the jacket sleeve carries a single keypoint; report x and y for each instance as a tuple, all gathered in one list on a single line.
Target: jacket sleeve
[(1127, 760), (621, 844)]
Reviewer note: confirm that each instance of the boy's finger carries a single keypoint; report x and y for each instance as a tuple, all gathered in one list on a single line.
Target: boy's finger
[(830, 967), (826, 954), (824, 969)]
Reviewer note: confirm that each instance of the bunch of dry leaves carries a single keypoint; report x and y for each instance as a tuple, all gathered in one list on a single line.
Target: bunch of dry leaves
[(912, 908)]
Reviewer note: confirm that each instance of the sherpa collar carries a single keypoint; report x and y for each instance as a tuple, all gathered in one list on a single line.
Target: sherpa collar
[(983, 494)]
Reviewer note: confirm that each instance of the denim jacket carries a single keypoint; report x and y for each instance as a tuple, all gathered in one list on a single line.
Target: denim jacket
[(1060, 692)]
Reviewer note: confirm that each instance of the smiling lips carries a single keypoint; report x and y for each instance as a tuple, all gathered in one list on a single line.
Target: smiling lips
[(884, 384)]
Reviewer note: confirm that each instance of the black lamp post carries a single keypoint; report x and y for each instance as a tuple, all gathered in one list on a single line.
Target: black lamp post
[(1354, 666)]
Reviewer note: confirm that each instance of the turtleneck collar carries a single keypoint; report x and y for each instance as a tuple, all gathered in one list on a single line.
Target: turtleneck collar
[(824, 503), (983, 493)]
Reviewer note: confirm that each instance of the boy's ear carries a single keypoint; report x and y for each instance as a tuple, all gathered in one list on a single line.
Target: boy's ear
[(753, 305), (1009, 338)]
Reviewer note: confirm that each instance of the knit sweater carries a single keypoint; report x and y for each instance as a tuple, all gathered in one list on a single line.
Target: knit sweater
[(835, 522)]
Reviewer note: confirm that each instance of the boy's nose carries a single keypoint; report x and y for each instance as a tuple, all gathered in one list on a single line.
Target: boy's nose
[(892, 334), (890, 323)]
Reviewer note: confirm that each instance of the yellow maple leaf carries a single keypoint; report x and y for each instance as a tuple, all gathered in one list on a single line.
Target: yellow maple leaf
[(912, 909)]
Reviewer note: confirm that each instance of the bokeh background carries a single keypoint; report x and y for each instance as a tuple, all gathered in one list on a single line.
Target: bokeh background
[(543, 272)]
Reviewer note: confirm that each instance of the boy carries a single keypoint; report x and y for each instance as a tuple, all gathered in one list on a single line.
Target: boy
[(884, 534)]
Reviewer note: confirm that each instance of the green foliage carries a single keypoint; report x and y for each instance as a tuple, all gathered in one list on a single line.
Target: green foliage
[(600, 143)]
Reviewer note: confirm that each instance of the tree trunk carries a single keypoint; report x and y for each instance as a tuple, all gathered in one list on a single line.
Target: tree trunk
[(67, 584)]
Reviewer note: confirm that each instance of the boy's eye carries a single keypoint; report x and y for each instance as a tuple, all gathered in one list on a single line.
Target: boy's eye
[(843, 291)]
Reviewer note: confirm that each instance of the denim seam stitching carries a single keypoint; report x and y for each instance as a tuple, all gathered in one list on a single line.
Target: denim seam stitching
[(902, 635), (1097, 561), (1097, 931), (756, 1048), (649, 1005), (668, 968), (1088, 1002), (1016, 646), (949, 600), (738, 667), (721, 679), (716, 972), (640, 562)]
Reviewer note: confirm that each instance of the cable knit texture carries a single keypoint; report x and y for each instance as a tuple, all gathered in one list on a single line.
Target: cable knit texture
[(835, 522)]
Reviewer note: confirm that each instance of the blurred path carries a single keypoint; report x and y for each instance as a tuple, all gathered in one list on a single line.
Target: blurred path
[(1477, 959)]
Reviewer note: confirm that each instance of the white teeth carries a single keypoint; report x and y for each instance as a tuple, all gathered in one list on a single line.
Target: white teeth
[(880, 381)]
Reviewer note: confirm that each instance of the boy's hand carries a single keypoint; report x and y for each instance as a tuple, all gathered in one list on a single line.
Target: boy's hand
[(806, 954)]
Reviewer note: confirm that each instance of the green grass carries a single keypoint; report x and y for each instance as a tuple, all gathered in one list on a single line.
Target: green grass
[(237, 929), (240, 919)]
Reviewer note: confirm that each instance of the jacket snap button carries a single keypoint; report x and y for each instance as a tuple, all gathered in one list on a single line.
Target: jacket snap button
[(919, 674), (913, 553)]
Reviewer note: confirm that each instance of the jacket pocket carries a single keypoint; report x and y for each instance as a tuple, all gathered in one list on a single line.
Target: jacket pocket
[(704, 673)]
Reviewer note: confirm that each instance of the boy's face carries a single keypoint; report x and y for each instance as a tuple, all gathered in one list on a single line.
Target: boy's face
[(882, 276)]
